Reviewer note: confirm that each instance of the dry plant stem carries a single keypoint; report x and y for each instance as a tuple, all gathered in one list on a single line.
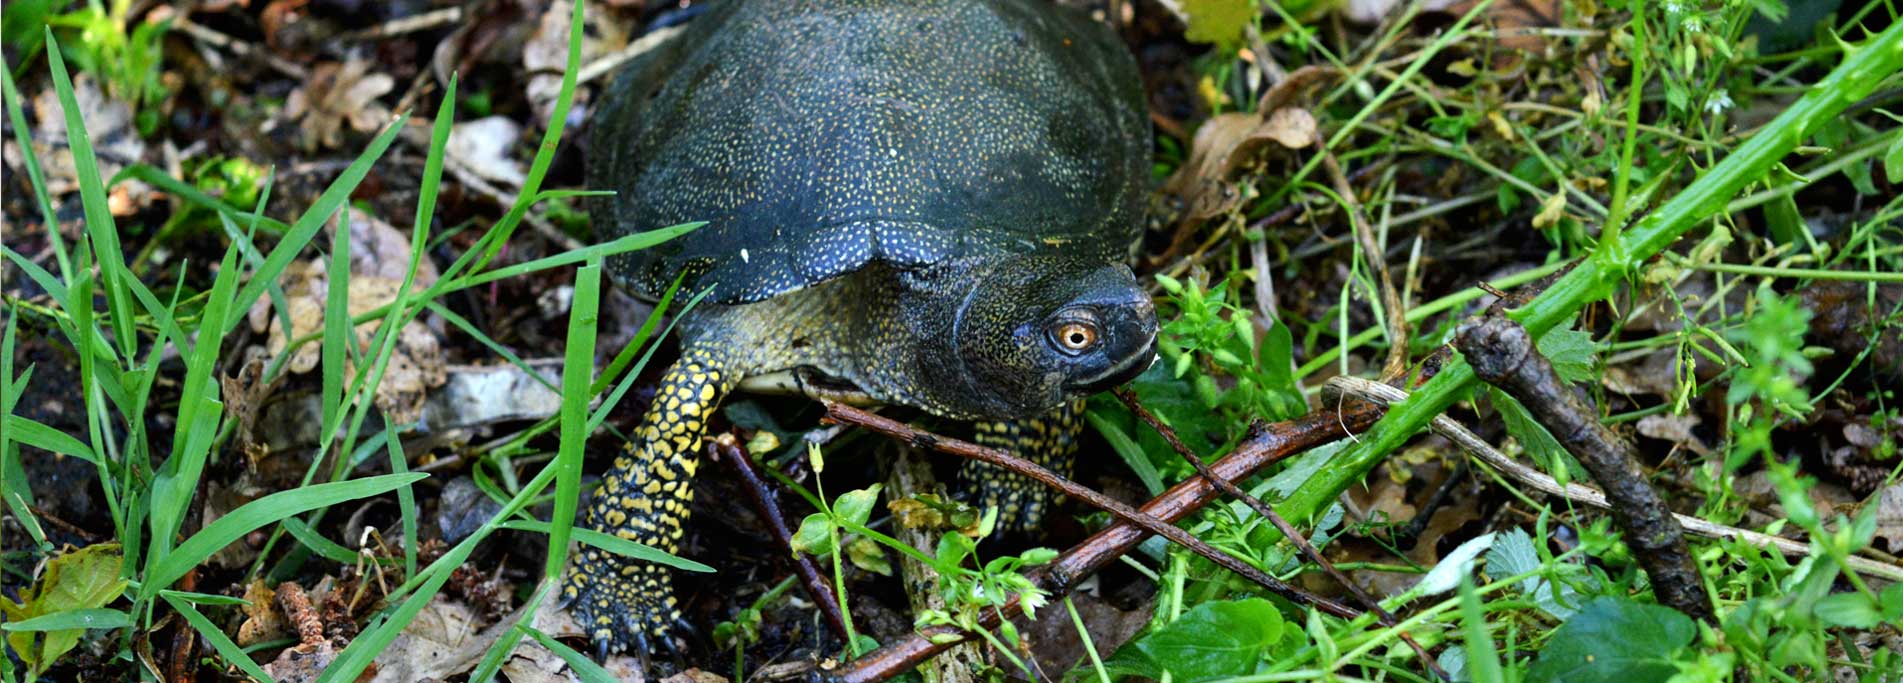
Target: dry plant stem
[(1288, 530), (1377, 259), (608, 63), (768, 505), (1502, 354), (242, 49), (1266, 445), (912, 473), (1586, 495), (839, 412)]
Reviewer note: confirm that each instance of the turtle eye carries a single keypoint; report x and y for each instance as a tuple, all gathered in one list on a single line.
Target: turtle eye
[(1075, 336)]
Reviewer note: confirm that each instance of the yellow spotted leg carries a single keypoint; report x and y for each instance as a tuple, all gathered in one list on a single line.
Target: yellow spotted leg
[(646, 498), (1050, 440)]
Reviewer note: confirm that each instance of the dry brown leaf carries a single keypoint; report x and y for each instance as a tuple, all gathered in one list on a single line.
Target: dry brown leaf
[(338, 94), (263, 622), (115, 142), (1223, 145), (1291, 127), (546, 53), (416, 363), (442, 641)]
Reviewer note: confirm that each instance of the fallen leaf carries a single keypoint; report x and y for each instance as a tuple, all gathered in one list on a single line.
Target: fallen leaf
[(1222, 147), (546, 54), (1291, 127), (115, 142), (378, 249), (263, 622), (1676, 429), (84, 579), (337, 94), (443, 640), (482, 147), (416, 363)]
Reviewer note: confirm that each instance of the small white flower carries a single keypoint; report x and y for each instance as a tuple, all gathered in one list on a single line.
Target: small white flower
[(1031, 601), (1719, 101), (1694, 24), (1674, 8)]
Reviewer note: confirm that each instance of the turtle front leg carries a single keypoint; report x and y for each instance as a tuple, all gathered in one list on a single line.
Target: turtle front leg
[(1050, 441), (646, 498)]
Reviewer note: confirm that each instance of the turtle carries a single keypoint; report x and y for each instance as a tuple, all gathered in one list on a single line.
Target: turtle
[(928, 203)]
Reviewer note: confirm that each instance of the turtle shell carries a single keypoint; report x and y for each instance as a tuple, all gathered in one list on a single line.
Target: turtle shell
[(816, 137)]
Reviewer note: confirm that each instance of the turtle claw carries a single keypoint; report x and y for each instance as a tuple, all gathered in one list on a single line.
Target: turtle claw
[(622, 604)]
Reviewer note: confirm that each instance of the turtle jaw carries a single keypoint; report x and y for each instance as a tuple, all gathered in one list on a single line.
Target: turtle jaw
[(1121, 373)]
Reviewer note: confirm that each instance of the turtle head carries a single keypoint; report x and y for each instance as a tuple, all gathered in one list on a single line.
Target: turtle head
[(1031, 332)]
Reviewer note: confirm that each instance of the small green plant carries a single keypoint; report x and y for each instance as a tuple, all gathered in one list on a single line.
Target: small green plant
[(102, 40)]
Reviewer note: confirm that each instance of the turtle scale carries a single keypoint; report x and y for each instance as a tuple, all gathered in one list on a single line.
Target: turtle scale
[(811, 163)]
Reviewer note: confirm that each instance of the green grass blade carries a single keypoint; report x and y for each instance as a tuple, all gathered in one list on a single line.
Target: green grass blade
[(205, 598), (614, 544), (551, 142), (219, 641), (640, 338), (495, 347), (328, 549), (361, 652), (13, 486), (40, 436), (161, 317), (71, 619), (92, 194), (163, 181), (23, 134), (578, 370), (505, 644), (580, 664), (337, 333), (307, 225), (405, 496), (1128, 449), (259, 513)]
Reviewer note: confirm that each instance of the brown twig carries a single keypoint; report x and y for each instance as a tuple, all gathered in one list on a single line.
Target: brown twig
[(767, 504), (839, 412), (1266, 445), (1502, 354), (1268, 512)]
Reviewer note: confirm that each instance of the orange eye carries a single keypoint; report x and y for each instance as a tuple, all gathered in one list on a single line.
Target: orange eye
[(1076, 336)]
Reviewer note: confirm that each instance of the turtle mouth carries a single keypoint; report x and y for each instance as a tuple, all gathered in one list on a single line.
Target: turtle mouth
[(1121, 373)]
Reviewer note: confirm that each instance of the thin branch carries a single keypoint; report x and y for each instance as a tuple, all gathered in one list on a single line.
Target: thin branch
[(1502, 355), (845, 414), (1268, 512), (1266, 445), (768, 505), (1586, 495)]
